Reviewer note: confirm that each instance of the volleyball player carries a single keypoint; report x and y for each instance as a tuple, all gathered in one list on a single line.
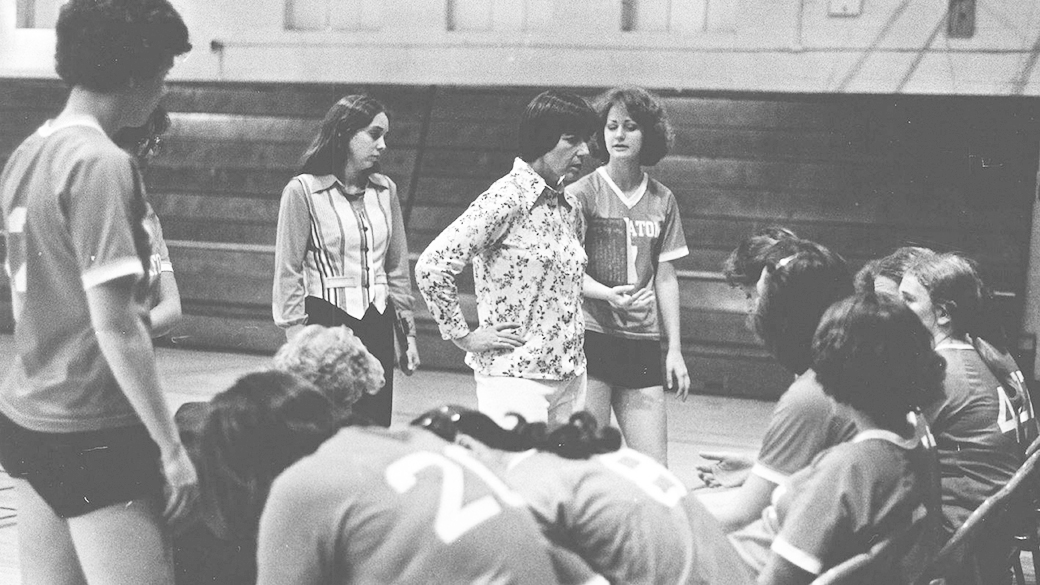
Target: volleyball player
[(624, 513), (357, 504)]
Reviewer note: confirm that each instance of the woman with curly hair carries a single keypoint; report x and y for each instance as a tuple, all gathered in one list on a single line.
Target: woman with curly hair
[(799, 280), (319, 498), (631, 303), (335, 361), (622, 512), (85, 432), (876, 361)]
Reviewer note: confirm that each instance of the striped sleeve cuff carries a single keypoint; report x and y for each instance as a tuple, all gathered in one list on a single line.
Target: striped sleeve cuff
[(768, 474), (673, 254), (166, 266), (797, 556), (129, 266)]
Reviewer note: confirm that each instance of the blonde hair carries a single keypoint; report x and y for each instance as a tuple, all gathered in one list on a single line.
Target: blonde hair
[(334, 360)]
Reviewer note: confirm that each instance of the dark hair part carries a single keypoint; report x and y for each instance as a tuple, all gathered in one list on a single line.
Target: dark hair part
[(328, 152), (104, 44), (550, 115), (953, 283), (802, 280), (872, 353), (253, 431), (579, 438), (646, 111), (891, 267), (744, 265), (142, 141)]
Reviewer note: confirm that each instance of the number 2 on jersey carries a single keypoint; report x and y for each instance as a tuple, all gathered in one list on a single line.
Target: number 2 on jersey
[(454, 517)]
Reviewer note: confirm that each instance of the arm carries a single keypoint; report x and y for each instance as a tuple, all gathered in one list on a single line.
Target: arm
[(167, 312), (127, 347), (478, 228), (666, 285), (293, 232), (780, 571), (400, 283), (739, 507)]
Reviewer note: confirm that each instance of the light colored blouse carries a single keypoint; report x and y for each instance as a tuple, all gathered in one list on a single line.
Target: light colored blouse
[(525, 242), (351, 252)]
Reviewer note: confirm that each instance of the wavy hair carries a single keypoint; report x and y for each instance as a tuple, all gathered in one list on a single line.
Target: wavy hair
[(335, 361), (744, 265), (253, 431), (646, 110), (872, 353), (104, 44), (799, 286), (578, 438), (892, 267)]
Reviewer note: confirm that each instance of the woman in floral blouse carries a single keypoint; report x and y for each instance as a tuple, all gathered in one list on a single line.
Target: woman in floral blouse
[(524, 237)]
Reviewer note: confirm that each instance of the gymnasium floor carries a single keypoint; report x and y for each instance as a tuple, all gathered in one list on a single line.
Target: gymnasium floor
[(698, 424)]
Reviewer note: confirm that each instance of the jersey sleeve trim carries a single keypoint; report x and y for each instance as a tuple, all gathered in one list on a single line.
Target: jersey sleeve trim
[(118, 268), (673, 254), (797, 556), (768, 474), (166, 266)]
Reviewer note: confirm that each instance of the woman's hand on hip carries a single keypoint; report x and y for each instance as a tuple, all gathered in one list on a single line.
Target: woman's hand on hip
[(410, 360), (501, 336)]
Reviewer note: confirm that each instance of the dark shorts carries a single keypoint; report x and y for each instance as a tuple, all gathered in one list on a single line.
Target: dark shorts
[(77, 473), (632, 363)]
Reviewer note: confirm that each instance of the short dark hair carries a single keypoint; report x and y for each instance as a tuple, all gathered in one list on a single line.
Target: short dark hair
[(744, 265), (550, 115), (953, 282), (253, 431), (329, 150), (892, 266), (646, 110), (579, 438), (103, 44), (798, 289), (872, 353)]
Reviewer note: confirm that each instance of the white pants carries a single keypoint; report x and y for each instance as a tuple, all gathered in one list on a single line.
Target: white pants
[(549, 401)]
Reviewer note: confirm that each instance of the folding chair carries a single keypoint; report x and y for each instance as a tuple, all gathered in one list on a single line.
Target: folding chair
[(881, 564), (958, 558)]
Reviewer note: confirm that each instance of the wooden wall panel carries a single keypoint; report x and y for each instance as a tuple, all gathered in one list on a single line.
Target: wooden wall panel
[(860, 174)]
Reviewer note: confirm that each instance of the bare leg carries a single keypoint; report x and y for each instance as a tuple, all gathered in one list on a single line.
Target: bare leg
[(44, 542), (124, 544), (598, 399), (643, 420)]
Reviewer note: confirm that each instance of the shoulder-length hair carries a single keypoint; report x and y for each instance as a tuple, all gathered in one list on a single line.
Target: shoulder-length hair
[(646, 110), (873, 353), (328, 152), (798, 289)]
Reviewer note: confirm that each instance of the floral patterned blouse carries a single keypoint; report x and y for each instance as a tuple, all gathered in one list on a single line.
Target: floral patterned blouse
[(525, 242)]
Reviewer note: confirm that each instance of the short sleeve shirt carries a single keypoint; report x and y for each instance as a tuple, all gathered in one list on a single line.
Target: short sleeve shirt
[(805, 422), (626, 515), (852, 496), (654, 234), (524, 240), (66, 196), (380, 506), (975, 432)]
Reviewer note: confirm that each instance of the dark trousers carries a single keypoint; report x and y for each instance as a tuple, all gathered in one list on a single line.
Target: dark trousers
[(376, 331)]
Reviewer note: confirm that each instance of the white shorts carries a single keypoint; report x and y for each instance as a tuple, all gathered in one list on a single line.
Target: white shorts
[(548, 401)]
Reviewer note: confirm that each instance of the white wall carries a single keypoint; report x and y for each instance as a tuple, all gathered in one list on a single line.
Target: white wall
[(893, 46)]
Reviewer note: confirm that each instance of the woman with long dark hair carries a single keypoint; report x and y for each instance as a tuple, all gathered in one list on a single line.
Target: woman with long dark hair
[(341, 257)]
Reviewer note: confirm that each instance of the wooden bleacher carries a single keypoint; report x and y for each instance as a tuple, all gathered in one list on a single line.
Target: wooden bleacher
[(861, 174)]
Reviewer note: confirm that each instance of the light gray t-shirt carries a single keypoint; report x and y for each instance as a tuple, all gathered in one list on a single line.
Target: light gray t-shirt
[(67, 201)]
